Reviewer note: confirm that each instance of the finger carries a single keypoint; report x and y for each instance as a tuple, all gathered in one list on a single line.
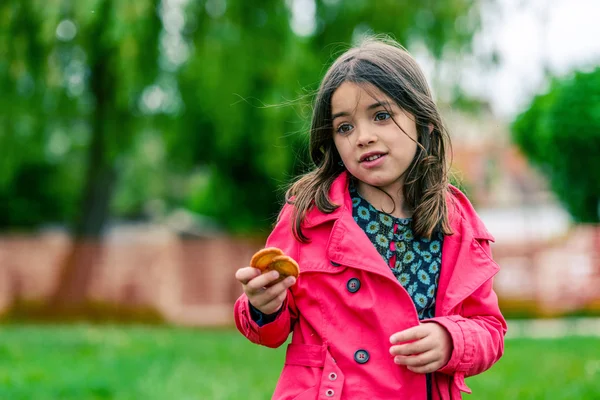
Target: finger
[(283, 285), (257, 284), (418, 360), (265, 296), (414, 333), (274, 305), (245, 275), (425, 369), (412, 348)]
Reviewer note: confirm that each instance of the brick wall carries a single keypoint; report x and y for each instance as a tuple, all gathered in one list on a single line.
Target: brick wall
[(191, 281)]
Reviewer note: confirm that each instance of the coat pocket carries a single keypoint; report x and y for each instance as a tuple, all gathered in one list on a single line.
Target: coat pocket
[(311, 373)]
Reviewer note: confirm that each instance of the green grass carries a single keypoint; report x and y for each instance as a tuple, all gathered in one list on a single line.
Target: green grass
[(117, 362)]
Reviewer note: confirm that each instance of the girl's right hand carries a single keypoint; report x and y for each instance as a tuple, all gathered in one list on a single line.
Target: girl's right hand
[(266, 300)]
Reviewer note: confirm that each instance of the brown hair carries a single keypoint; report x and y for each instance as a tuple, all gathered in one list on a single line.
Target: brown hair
[(387, 66)]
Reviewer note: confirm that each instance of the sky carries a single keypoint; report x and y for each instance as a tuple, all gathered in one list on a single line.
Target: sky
[(568, 40)]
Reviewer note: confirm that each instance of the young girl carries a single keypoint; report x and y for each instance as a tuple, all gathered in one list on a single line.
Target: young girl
[(394, 298)]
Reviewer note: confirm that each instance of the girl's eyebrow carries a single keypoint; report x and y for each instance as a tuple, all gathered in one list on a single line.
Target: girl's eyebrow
[(385, 104)]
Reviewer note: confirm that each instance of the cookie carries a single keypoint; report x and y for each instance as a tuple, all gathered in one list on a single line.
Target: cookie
[(262, 258), (273, 259), (286, 266)]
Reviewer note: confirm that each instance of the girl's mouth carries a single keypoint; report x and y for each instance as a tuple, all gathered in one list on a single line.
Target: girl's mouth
[(372, 161), (373, 158)]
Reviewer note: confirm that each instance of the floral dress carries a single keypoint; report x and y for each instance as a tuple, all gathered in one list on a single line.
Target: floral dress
[(414, 261)]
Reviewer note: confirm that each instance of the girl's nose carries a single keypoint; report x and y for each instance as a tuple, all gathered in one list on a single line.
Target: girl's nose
[(366, 137)]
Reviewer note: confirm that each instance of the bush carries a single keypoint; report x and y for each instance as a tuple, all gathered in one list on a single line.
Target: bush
[(560, 134)]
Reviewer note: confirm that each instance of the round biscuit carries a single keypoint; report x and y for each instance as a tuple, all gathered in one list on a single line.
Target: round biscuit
[(262, 258), (285, 265)]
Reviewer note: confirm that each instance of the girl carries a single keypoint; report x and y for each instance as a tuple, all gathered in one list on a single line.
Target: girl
[(394, 298)]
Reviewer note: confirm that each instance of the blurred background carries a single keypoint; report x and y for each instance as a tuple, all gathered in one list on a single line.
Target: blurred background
[(145, 147)]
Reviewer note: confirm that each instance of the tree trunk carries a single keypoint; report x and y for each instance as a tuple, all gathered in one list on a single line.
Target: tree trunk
[(87, 248), (70, 294)]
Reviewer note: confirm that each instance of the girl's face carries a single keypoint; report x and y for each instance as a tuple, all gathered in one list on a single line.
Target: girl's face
[(372, 146)]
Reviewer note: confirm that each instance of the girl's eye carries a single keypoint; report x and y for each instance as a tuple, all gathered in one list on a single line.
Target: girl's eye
[(344, 128), (382, 116)]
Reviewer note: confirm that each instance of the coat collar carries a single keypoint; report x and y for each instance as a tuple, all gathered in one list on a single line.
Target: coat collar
[(339, 195), (460, 210), (465, 264)]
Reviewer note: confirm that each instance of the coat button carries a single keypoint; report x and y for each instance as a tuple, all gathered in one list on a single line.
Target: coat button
[(353, 285), (361, 356), (332, 376), (329, 393)]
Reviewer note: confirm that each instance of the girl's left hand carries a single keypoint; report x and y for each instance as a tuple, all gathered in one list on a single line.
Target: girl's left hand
[(423, 349)]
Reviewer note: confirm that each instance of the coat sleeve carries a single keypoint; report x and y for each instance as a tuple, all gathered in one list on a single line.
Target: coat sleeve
[(477, 333), (275, 333)]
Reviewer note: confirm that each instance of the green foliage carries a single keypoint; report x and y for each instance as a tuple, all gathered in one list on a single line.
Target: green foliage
[(560, 133), (30, 197), (241, 141), (254, 151), (441, 26), (70, 87), (117, 105), (116, 362)]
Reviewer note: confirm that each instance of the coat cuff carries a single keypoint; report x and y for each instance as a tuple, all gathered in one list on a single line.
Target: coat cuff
[(461, 359), (272, 330)]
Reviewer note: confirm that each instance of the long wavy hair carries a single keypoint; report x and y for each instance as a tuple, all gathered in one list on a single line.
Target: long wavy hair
[(386, 65)]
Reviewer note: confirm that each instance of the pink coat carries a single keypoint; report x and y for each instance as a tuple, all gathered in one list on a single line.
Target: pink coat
[(347, 303)]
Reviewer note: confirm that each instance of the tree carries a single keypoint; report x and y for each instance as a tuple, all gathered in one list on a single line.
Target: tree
[(102, 69), (28, 172), (272, 54), (560, 134), (83, 65), (245, 56)]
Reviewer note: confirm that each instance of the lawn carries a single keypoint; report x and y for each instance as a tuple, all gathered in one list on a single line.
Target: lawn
[(115, 362)]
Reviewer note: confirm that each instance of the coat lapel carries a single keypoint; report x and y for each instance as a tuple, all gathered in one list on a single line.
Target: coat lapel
[(349, 245)]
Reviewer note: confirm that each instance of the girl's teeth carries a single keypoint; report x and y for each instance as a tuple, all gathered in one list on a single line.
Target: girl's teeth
[(372, 158)]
